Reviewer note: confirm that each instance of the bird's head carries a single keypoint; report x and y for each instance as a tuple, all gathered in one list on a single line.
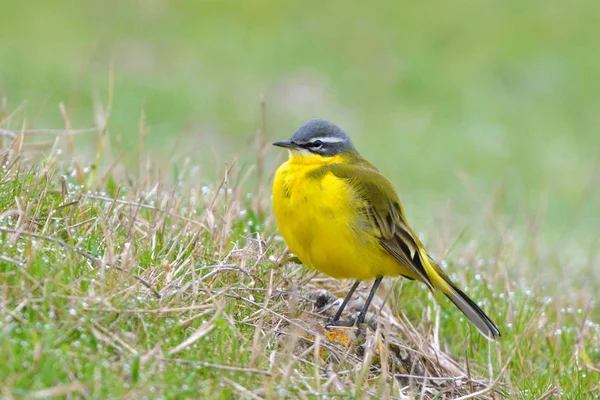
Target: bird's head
[(318, 141)]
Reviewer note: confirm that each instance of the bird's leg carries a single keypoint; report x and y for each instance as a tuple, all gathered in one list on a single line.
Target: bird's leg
[(335, 321), (363, 313)]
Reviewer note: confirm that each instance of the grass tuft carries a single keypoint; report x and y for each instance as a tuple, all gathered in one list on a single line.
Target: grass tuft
[(154, 284)]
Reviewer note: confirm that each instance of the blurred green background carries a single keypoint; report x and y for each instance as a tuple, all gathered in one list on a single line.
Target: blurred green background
[(466, 105)]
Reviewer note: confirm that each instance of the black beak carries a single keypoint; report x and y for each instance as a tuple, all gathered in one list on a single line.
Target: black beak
[(287, 144)]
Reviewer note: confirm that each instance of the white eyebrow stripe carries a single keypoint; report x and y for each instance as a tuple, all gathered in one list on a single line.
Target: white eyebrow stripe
[(328, 139)]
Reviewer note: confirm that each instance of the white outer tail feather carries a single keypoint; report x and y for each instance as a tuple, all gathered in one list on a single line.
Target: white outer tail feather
[(481, 321)]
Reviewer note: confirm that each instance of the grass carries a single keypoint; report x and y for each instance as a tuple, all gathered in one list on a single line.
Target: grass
[(497, 92), (118, 283), (117, 244)]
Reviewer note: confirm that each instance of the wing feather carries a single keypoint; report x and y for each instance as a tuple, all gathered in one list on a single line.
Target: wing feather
[(382, 207)]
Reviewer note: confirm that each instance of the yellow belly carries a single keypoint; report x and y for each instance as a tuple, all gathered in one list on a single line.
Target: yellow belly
[(321, 224)]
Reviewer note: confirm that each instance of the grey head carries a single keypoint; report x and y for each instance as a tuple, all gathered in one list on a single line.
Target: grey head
[(319, 136)]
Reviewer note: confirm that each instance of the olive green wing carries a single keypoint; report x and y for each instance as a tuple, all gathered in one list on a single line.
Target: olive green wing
[(382, 208)]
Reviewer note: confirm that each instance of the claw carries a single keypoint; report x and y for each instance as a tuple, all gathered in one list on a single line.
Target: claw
[(332, 323)]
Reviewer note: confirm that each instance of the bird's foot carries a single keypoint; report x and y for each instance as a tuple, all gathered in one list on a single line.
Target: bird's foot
[(334, 323)]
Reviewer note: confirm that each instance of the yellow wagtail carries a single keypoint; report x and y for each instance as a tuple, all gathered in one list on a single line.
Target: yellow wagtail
[(340, 215)]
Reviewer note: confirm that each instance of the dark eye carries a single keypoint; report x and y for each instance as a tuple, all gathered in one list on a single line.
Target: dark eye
[(316, 144)]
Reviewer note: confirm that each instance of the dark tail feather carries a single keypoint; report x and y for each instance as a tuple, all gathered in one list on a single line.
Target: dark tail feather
[(475, 314)]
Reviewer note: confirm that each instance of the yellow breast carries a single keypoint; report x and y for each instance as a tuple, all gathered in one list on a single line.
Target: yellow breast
[(319, 218)]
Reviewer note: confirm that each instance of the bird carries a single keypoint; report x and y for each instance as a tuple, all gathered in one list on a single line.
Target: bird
[(338, 214)]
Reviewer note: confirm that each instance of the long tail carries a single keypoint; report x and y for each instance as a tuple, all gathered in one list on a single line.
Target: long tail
[(471, 310)]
